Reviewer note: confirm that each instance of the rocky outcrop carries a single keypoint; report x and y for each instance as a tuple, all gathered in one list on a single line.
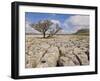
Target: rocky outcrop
[(50, 58), (57, 51)]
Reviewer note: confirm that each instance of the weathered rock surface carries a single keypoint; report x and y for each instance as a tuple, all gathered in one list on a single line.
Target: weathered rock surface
[(66, 61), (50, 58), (60, 50)]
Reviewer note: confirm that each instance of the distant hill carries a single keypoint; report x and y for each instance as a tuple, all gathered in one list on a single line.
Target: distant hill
[(82, 32), (78, 32)]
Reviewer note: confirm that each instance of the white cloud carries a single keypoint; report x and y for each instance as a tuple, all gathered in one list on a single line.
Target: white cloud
[(56, 22), (53, 26), (74, 23), (81, 20), (29, 29)]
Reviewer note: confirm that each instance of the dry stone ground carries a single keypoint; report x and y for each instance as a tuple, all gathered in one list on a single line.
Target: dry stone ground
[(61, 50)]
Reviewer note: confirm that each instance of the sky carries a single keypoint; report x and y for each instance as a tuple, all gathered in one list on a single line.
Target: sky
[(69, 23)]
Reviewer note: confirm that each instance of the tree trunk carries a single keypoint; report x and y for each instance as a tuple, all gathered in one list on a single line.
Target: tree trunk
[(43, 34)]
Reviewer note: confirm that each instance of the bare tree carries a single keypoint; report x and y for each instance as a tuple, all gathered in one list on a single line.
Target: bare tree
[(54, 31), (42, 26)]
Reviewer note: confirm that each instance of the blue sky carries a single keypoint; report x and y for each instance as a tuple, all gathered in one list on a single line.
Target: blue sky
[(68, 22), (35, 17)]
